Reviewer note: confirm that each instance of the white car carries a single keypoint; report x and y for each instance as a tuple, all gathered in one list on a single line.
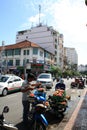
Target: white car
[(9, 83), (46, 79)]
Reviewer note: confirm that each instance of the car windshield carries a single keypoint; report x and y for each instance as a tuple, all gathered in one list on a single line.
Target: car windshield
[(44, 76), (3, 79)]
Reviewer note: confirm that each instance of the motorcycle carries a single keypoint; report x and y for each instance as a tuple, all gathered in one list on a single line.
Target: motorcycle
[(78, 83), (58, 102), (3, 124), (38, 108)]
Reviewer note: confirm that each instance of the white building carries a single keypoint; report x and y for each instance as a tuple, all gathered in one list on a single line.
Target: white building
[(27, 54), (82, 68), (44, 36), (71, 56)]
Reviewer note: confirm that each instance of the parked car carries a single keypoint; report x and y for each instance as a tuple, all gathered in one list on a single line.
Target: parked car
[(10, 83), (46, 80)]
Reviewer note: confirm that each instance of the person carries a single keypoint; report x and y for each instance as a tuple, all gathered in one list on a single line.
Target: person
[(60, 85), (26, 88)]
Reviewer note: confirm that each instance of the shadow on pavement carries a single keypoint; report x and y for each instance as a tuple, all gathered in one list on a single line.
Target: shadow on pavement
[(21, 126), (51, 118)]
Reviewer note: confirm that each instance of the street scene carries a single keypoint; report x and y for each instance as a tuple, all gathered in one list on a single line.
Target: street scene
[(14, 101), (43, 67)]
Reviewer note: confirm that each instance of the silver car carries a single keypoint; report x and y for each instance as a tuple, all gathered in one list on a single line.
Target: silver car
[(46, 80)]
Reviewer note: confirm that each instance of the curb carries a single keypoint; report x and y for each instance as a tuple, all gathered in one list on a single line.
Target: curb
[(71, 121)]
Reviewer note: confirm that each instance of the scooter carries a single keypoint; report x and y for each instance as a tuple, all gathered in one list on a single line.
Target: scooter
[(39, 121), (39, 106), (58, 102), (3, 124)]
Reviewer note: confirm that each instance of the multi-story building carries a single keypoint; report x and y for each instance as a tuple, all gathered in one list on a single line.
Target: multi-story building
[(28, 55), (82, 68), (45, 37), (70, 57), (61, 51)]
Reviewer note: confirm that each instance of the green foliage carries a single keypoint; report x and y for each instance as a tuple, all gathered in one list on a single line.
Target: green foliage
[(56, 71)]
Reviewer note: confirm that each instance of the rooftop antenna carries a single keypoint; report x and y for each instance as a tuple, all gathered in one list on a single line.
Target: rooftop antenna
[(39, 13)]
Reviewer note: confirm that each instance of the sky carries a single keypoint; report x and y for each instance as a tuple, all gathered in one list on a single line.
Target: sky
[(68, 17)]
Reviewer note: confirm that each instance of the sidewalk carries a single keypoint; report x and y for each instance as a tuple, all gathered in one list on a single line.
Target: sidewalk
[(78, 120)]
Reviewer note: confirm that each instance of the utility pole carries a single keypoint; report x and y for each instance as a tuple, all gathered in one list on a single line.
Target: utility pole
[(39, 13), (25, 63), (2, 57)]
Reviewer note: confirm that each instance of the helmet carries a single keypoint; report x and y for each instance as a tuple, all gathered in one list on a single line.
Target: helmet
[(61, 81)]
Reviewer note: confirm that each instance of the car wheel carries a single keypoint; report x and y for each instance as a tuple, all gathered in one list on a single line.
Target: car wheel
[(5, 91)]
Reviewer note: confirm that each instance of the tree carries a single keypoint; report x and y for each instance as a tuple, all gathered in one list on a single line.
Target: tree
[(56, 71)]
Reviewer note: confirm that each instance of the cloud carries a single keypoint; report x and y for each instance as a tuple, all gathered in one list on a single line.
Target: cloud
[(35, 19), (68, 17)]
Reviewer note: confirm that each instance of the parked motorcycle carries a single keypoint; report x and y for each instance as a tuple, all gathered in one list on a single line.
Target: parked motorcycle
[(58, 102), (78, 83), (37, 111), (3, 124)]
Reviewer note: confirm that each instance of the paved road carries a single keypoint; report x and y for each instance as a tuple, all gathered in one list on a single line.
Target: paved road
[(15, 105)]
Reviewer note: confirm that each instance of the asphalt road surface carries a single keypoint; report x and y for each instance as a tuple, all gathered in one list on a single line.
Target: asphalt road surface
[(15, 105)]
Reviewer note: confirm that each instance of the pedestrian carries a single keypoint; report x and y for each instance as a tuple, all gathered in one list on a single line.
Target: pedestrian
[(26, 88), (60, 85)]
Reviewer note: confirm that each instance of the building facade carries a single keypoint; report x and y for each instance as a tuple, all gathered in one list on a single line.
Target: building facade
[(46, 37), (27, 55), (70, 57)]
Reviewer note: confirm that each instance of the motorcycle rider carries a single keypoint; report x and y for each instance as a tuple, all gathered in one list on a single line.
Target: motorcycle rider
[(60, 85), (26, 88)]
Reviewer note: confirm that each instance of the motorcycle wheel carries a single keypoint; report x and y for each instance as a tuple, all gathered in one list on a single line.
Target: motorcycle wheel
[(38, 125)]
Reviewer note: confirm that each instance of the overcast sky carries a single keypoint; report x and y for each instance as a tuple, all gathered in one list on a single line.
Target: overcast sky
[(68, 17)]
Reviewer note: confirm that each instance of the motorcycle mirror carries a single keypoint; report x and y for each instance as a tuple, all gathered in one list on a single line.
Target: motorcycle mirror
[(6, 109)]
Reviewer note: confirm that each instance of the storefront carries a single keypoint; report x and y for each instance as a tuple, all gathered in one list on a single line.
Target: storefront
[(37, 68)]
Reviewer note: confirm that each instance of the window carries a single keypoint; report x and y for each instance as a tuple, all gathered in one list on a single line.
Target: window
[(26, 37), (10, 63), (9, 52), (55, 52), (35, 51), (5, 52), (27, 60), (55, 46), (41, 53), (24, 52), (27, 52), (56, 40), (17, 62), (24, 61), (17, 52), (16, 80)]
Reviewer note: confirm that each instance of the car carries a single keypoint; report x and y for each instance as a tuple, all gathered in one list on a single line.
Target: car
[(10, 83), (46, 80)]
